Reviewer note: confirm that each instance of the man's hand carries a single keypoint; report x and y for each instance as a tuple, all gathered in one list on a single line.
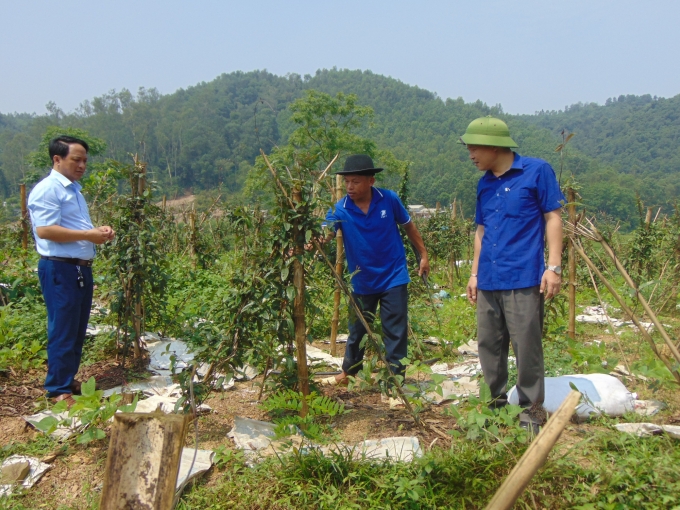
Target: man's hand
[(472, 290), (99, 235), (424, 268), (550, 284)]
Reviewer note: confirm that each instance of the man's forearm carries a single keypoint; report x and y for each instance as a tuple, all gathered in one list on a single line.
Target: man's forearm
[(553, 235), (479, 234), (60, 234), (415, 237)]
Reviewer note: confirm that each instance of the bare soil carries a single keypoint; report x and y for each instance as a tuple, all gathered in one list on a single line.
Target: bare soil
[(76, 477)]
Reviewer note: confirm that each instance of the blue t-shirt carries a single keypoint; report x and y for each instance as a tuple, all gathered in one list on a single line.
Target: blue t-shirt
[(373, 245), (511, 209), (57, 201)]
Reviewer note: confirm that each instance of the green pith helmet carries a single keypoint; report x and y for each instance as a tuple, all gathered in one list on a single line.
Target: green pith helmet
[(488, 131)]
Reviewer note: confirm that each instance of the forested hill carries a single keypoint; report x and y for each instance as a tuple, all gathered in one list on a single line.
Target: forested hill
[(209, 135), (638, 135)]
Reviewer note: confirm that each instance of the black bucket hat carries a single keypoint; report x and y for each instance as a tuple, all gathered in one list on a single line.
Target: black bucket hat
[(359, 164)]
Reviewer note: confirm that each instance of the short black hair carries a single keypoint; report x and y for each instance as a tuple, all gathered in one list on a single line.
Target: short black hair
[(59, 146)]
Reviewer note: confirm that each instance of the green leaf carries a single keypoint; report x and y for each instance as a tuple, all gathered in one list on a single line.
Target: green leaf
[(88, 388), (284, 273), (290, 292), (130, 408), (484, 392), (60, 407), (308, 236), (47, 425), (438, 378), (91, 434)]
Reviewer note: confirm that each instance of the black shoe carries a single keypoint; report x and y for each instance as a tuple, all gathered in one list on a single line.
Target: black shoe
[(76, 387), (529, 424), (533, 418)]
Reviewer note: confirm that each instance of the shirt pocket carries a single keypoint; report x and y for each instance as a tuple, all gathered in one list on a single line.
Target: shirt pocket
[(520, 204)]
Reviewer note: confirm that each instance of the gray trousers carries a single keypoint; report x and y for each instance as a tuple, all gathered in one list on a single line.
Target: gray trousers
[(512, 316)]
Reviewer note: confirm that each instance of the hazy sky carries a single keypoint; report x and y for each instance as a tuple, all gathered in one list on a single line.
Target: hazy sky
[(527, 55)]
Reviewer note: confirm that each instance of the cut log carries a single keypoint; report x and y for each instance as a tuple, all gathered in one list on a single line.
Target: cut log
[(143, 461)]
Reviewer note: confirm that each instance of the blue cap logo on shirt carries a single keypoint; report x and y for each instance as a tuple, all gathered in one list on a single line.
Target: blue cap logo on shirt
[(383, 213)]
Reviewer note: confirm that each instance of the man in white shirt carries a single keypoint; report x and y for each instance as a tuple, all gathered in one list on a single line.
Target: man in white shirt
[(65, 239)]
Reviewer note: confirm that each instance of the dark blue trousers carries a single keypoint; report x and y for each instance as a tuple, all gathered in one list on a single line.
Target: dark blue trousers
[(68, 310), (394, 319)]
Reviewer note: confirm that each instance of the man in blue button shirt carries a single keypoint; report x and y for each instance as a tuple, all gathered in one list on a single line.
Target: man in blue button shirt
[(369, 218), (65, 239), (518, 209)]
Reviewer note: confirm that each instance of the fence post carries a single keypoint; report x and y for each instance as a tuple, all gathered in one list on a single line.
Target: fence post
[(571, 209)]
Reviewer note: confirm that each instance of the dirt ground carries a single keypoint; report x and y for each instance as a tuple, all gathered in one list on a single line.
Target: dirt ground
[(76, 476)]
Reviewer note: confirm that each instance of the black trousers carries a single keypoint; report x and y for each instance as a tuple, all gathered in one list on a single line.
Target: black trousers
[(394, 319)]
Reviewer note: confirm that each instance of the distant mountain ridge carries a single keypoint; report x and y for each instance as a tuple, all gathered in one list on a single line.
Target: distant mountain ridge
[(209, 134)]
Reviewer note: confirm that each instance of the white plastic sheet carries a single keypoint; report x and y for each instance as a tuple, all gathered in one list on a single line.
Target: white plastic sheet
[(648, 429), (36, 470), (202, 463), (256, 437)]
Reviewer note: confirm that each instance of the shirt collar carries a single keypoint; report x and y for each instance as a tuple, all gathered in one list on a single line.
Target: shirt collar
[(517, 164), (377, 195), (63, 180)]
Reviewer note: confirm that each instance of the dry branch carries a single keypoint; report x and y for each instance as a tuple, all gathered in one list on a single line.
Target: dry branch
[(626, 309)]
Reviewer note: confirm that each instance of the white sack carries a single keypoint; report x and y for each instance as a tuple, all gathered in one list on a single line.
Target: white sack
[(605, 394)]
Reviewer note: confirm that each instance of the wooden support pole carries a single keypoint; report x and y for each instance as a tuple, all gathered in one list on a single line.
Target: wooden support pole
[(143, 461), (338, 268), (627, 310), (138, 188), (571, 208), (535, 456), (24, 218), (299, 307)]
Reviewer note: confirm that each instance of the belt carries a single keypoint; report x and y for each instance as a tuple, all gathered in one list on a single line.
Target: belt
[(75, 262)]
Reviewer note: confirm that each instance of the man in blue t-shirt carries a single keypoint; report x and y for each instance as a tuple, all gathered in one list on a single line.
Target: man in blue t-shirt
[(369, 218), (518, 209)]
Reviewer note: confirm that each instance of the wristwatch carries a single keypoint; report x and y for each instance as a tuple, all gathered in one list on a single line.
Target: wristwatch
[(555, 269)]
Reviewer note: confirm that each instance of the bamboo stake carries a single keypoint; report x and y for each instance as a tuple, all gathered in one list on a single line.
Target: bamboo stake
[(338, 268), (299, 308), (370, 334), (626, 309), (571, 208), (192, 236), (138, 193), (24, 219), (650, 313), (535, 456), (609, 320)]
